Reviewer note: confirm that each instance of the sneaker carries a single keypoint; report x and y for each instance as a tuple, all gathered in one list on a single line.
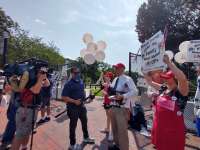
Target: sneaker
[(5, 146), (145, 132), (47, 119), (41, 121), (88, 141), (73, 147)]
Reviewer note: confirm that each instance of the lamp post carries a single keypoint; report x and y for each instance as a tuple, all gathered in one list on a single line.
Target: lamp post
[(5, 47)]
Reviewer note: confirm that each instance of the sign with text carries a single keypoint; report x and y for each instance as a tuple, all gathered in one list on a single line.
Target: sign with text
[(193, 52), (152, 52)]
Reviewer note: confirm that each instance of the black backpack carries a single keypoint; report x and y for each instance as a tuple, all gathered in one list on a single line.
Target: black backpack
[(137, 118)]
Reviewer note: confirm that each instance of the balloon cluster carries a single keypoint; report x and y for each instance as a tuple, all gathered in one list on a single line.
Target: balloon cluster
[(181, 57), (94, 51)]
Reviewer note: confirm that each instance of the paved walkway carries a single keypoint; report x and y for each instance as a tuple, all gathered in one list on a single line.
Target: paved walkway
[(55, 135)]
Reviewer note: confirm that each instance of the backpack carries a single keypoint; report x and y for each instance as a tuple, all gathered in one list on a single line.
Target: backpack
[(137, 118)]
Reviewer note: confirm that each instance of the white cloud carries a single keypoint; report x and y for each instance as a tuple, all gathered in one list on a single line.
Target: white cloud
[(39, 21), (112, 13), (70, 17)]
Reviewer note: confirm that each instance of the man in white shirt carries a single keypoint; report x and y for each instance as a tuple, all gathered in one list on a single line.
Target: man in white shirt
[(197, 102), (124, 89)]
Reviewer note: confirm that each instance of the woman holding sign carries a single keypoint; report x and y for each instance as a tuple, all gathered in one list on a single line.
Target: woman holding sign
[(170, 104)]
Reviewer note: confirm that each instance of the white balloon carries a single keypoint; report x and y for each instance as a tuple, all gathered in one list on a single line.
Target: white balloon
[(89, 59), (180, 58), (87, 38), (91, 47), (101, 45), (184, 46), (100, 55), (170, 54), (83, 52)]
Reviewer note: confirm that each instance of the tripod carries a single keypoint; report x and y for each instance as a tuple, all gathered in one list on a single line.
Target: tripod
[(33, 120)]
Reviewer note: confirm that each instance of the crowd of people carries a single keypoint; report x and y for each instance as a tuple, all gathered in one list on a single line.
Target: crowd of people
[(168, 90)]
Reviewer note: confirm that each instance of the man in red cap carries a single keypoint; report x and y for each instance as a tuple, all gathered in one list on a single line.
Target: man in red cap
[(123, 89)]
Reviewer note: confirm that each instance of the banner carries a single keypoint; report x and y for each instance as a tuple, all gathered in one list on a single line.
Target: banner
[(193, 52), (152, 53)]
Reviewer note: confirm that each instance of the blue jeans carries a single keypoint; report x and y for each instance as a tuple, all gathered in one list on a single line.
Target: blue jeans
[(11, 125), (198, 126)]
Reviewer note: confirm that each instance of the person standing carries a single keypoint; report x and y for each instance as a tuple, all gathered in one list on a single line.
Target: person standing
[(74, 95), (45, 96), (197, 102), (123, 89), (170, 104), (108, 76), (26, 113)]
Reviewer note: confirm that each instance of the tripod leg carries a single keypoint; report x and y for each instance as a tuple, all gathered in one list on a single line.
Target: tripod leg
[(33, 123)]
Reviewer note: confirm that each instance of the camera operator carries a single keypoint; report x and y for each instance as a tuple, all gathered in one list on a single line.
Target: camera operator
[(74, 95), (29, 100), (17, 85), (123, 89)]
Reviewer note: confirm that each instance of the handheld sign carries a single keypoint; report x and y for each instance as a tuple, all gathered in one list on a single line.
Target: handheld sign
[(193, 52), (152, 53)]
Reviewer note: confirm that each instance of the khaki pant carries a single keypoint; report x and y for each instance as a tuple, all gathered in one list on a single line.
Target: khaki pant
[(119, 126)]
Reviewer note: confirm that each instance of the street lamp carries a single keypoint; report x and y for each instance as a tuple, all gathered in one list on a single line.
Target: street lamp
[(4, 44)]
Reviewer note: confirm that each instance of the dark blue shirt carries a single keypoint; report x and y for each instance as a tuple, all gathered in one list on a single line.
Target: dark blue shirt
[(46, 91), (74, 89)]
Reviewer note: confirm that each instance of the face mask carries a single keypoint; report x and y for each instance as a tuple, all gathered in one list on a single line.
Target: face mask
[(77, 77)]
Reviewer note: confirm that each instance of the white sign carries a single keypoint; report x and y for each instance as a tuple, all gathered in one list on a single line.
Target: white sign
[(193, 52), (152, 53), (142, 82)]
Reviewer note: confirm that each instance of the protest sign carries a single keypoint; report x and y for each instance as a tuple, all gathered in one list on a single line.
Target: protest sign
[(152, 53)]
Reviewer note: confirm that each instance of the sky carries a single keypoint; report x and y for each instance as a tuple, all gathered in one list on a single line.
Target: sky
[(65, 21)]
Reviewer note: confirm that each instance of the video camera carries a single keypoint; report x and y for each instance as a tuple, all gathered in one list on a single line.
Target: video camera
[(30, 65), (114, 92)]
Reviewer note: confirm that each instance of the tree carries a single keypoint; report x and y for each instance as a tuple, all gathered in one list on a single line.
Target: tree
[(90, 73), (21, 46), (183, 24)]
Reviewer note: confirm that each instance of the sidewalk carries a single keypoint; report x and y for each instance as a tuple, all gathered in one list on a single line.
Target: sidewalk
[(55, 135)]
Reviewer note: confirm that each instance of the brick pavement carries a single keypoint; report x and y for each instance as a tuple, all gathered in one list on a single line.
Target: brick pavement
[(55, 136)]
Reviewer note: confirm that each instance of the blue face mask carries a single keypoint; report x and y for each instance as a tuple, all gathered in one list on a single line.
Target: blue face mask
[(77, 77)]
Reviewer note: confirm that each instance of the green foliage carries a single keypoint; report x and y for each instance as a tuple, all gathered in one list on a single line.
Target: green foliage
[(94, 90), (21, 46), (183, 24), (90, 73), (134, 76), (156, 14)]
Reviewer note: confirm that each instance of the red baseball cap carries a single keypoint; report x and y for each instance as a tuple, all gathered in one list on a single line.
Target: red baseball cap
[(167, 75), (119, 65), (109, 75)]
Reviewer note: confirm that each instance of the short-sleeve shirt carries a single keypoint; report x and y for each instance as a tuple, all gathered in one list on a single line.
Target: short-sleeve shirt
[(75, 90), (197, 95), (46, 91)]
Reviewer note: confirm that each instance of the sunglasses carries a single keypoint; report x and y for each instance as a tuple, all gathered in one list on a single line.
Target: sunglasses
[(43, 72)]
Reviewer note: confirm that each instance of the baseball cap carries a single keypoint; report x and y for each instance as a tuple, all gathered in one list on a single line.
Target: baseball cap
[(119, 65), (167, 75), (109, 75)]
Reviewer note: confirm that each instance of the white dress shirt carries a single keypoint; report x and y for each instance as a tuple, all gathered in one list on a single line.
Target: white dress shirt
[(197, 99), (127, 86)]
